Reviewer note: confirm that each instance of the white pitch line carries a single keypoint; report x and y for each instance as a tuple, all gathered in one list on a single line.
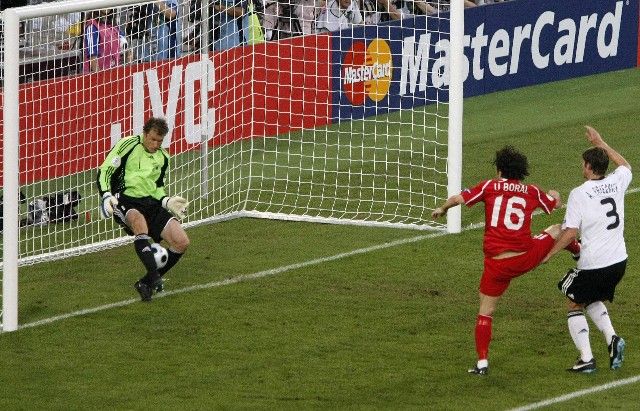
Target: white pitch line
[(577, 394), (283, 269), (253, 276), (587, 391), (245, 277)]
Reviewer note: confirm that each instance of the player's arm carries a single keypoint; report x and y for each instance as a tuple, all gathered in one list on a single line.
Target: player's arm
[(109, 166), (566, 237), (105, 171), (468, 197), (596, 140), (570, 226), (451, 202), (176, 205), (556, 196), (113, 162)]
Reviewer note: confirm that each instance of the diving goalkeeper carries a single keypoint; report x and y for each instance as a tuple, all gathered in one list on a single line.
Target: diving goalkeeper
[(131, 184)]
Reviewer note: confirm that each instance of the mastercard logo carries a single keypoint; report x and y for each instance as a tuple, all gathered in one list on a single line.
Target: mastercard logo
[(367, 71)]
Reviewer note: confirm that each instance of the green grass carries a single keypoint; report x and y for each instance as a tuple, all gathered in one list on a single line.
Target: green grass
[(387, 329)]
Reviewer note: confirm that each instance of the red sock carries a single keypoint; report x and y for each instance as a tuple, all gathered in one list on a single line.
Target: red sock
[(573, 247), (483, 336)]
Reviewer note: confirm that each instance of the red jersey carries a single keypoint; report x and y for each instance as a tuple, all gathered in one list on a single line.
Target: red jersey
[(508, 206)]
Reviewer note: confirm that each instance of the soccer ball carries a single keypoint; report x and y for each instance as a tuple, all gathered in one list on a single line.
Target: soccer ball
[(160, 254)]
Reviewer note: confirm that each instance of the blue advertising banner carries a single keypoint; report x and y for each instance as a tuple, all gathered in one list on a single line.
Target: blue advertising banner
[(508, 45)]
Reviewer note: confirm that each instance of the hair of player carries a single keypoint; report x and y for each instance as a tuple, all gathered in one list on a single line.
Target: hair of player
[(511, 163), (158, 124), (597, 159)]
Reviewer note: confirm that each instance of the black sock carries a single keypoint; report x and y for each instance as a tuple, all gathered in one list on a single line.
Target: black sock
[(173, 259), (145, 254)]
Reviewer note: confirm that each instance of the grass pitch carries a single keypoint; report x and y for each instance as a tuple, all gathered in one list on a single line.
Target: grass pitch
[(390, 327)]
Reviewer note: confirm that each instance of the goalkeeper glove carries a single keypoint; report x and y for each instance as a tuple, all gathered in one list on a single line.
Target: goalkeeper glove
[(108, 203), (176, 205)]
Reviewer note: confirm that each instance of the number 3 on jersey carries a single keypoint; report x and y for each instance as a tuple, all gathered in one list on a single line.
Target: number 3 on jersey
[(611, 213), (511, 211)]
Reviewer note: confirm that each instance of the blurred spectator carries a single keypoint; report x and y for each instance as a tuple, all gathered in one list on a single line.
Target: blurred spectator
[(418, 7), (444, 5), (135, 30), (162, 31), (307, 12), (192, 38), (390, 9), (154, 31), (281, 19), (68, 29), (229, 14), (338, 15), (252, 30), (5, 4), (101, 41), (379, 11)]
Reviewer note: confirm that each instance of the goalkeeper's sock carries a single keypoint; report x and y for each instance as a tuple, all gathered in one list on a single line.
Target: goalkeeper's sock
[(145, 254), (174, 257), (483, 336)]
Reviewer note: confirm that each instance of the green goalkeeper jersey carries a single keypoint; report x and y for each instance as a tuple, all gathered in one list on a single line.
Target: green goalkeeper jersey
[(131, 170)]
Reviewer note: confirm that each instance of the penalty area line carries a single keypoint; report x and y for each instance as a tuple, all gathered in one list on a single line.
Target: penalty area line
[(576, 394)]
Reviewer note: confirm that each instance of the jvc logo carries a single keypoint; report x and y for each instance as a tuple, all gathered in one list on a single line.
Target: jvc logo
[(189, 80)]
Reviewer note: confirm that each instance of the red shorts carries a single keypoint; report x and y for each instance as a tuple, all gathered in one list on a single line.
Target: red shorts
[(498, 273)]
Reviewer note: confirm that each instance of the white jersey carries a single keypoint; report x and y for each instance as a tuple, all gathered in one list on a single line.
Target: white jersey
[(596, 208), (333, 18)]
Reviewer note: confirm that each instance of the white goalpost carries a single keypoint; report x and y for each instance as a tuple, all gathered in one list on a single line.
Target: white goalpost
[(361, 126)]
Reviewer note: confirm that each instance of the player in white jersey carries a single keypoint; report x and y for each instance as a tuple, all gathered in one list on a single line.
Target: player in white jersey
[(596, 210)]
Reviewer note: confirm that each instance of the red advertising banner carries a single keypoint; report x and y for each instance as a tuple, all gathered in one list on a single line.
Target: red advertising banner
[(67, 125)]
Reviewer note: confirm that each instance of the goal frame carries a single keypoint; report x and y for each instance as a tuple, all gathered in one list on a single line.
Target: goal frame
[(11, 185)]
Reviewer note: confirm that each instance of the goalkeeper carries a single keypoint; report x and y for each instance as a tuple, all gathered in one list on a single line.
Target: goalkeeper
[(131, 184)]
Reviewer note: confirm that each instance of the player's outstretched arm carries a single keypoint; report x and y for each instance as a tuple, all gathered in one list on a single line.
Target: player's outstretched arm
[(596, 140), (451, 202), (556, 196), (566, 237)]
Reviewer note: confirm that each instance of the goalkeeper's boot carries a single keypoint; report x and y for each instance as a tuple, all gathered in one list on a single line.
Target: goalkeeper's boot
[(616, 352), (155, 281), (159, 286), (583, 366), (478, 371), (144, 290)]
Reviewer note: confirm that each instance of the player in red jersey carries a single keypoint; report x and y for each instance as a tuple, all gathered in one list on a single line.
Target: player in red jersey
[(509, 249)]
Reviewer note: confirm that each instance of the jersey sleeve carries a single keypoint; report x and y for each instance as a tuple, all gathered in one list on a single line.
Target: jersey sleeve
[(546, 202), (113, 162), (474, 194), (624, 175), (573, 218), (92, 39)]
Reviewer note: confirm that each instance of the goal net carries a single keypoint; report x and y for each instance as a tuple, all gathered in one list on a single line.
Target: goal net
[(276, 108)]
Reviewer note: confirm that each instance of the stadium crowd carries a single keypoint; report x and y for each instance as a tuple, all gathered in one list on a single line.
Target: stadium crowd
[(169, 28)]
